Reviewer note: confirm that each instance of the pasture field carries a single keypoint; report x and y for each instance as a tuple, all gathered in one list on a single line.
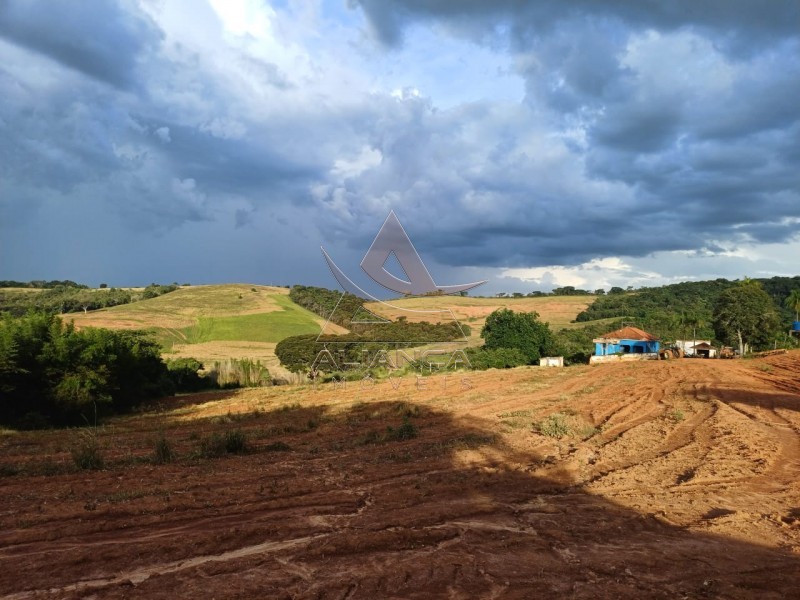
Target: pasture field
[(658, 479), (559, 311), (217, 322), (212, 322)]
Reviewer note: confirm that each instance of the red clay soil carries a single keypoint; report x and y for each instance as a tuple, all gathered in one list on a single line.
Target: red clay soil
[(673, 479)]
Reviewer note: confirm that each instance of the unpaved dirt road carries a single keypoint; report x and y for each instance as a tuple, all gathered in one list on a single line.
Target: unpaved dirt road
[(676, 479)]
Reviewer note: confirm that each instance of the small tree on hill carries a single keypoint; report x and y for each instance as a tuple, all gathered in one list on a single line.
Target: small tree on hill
[(506, 329), (745, 316)]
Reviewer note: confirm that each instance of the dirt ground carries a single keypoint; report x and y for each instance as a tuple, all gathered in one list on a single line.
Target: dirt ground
[(675, 479)]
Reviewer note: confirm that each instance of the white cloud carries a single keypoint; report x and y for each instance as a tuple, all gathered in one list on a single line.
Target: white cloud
[(162, 133)]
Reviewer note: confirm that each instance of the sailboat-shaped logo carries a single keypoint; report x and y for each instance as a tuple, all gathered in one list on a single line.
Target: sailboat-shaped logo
[(392, 240)]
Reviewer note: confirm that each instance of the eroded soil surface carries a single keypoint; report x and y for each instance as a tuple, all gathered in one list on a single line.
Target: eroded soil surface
[(676, 479)]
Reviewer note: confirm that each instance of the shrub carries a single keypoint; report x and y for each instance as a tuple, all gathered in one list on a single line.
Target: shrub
[(277, 447), (555, 426), (162, 451), (406, 431), (495, 358), (184, 373), (677, 415), (231, 442), (86, 452)]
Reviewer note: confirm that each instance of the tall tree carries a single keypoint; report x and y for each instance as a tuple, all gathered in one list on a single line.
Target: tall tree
[(793, 303), (745, 316), (506, 329)]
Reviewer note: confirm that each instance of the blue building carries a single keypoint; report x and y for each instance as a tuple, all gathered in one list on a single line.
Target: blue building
[(628, 340)]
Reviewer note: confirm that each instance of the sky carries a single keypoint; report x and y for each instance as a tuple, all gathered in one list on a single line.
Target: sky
[(591, 143)]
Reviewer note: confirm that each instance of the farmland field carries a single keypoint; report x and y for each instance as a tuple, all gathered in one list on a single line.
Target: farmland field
[(556, 310), (217, 322), (213, 322), (676, 479)]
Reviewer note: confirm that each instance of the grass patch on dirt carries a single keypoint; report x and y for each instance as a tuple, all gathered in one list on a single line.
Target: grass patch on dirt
[(554, 426), (219, 444)]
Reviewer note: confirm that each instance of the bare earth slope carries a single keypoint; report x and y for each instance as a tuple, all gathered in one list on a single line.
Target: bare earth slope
[(676, 479)]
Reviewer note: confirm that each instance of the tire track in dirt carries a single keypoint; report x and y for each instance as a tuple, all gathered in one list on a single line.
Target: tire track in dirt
[(137, 576), (453, 513)]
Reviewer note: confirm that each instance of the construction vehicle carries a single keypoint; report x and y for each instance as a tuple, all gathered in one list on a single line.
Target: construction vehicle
[(670, 352)]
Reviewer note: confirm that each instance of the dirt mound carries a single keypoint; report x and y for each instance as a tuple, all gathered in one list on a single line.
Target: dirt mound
[(635, 480)]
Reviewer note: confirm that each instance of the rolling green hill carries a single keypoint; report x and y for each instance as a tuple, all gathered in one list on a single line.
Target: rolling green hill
[(212, 322)]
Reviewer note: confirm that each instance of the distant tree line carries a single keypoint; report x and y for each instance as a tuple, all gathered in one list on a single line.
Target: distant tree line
[(566, 290), (693, 297), (323, 301), (59, 298), (706, 310), (41, 284)]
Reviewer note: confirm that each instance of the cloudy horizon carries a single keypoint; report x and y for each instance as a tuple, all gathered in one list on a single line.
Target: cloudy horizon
[(538, 144)]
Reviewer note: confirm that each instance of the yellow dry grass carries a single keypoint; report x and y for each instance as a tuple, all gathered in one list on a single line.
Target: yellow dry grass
[(183, 307), (559, 311)]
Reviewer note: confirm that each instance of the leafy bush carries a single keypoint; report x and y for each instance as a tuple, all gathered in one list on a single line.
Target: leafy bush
[(53, 372), (184, 374), (505, 328), (495, 358), (297, 352)]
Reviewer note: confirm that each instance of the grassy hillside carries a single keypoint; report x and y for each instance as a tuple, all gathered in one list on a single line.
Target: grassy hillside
[(559, 311), (271, 326), (212, 322)]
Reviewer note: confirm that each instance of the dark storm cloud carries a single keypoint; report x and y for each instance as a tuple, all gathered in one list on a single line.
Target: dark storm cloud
[(100, 39), (243, 166), (739, 22), (688, 116), (640, 127)]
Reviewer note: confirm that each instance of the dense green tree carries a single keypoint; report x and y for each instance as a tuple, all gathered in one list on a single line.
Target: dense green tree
[(507, 329), (51, 373), (297, 352), (792, 302), (745, 316)]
